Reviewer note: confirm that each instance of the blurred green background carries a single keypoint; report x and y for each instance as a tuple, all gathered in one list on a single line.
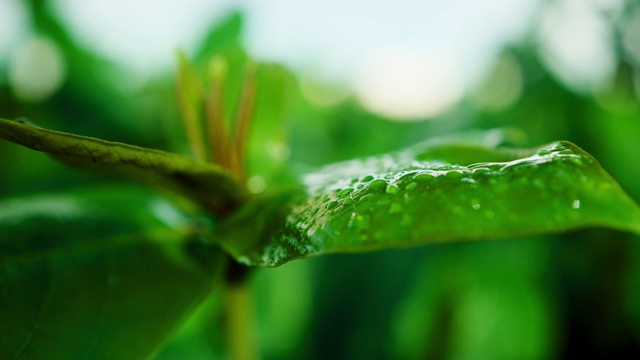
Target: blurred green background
[(571, 296)]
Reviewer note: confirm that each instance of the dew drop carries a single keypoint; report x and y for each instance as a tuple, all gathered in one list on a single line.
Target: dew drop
[(348, 201), (368, 178), (345, 192), (412, 186), (481, 170), (406, 177), (476, 206), (453, 174), (576, 204), (377, 184), (332, 205), (543, 152), (392, 189), (423, 177)]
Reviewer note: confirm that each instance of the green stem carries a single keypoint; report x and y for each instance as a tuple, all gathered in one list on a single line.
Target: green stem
[(240, 329), (190, 99)]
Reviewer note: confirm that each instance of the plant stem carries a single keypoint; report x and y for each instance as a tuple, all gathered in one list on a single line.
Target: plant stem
[(218, 134), (243, 120), (241, 339), (190, 97)]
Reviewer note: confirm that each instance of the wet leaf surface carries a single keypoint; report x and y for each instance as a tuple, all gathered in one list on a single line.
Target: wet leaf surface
[(428, 194)]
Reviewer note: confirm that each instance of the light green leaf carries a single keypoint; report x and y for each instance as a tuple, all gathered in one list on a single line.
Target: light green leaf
[(211, 186), (430, 195), (98, 274)]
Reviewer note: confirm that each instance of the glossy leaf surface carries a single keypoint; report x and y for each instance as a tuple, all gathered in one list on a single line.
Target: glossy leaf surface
[(432, 194), (99, 274), (208, 184)]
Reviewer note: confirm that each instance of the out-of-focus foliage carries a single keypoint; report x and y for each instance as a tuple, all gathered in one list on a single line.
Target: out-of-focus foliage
[(68, 296), (567, 296)]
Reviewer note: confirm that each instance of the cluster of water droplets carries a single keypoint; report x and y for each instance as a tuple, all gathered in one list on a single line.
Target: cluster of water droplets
[(394, 192)]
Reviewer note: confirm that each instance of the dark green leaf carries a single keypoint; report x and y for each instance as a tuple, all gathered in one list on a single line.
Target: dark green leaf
[(431, 194), (99, 274), (207, 184)]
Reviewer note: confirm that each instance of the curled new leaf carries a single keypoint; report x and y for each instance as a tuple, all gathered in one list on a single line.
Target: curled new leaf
[(207, 184), (428, 195)]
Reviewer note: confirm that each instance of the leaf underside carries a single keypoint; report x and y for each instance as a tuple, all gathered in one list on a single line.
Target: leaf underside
[(211, 186), (80, 278), (431, 194)]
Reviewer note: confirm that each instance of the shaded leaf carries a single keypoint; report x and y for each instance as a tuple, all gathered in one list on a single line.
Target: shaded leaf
[(100, 274), (428, 195), (207, 184)]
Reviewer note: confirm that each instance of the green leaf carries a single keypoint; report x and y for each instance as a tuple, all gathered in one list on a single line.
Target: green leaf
[(430, 195), (100, 274), (207, 184), (222, 38)]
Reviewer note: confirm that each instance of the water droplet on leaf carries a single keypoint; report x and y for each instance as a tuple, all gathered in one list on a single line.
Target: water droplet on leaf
[(453, 174), (332, 205), (392, 189), (576, 204), (423, 178), (377, 184), (345, 192)]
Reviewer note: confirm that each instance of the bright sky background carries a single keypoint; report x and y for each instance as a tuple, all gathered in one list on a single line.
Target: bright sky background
[(403, 58)]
